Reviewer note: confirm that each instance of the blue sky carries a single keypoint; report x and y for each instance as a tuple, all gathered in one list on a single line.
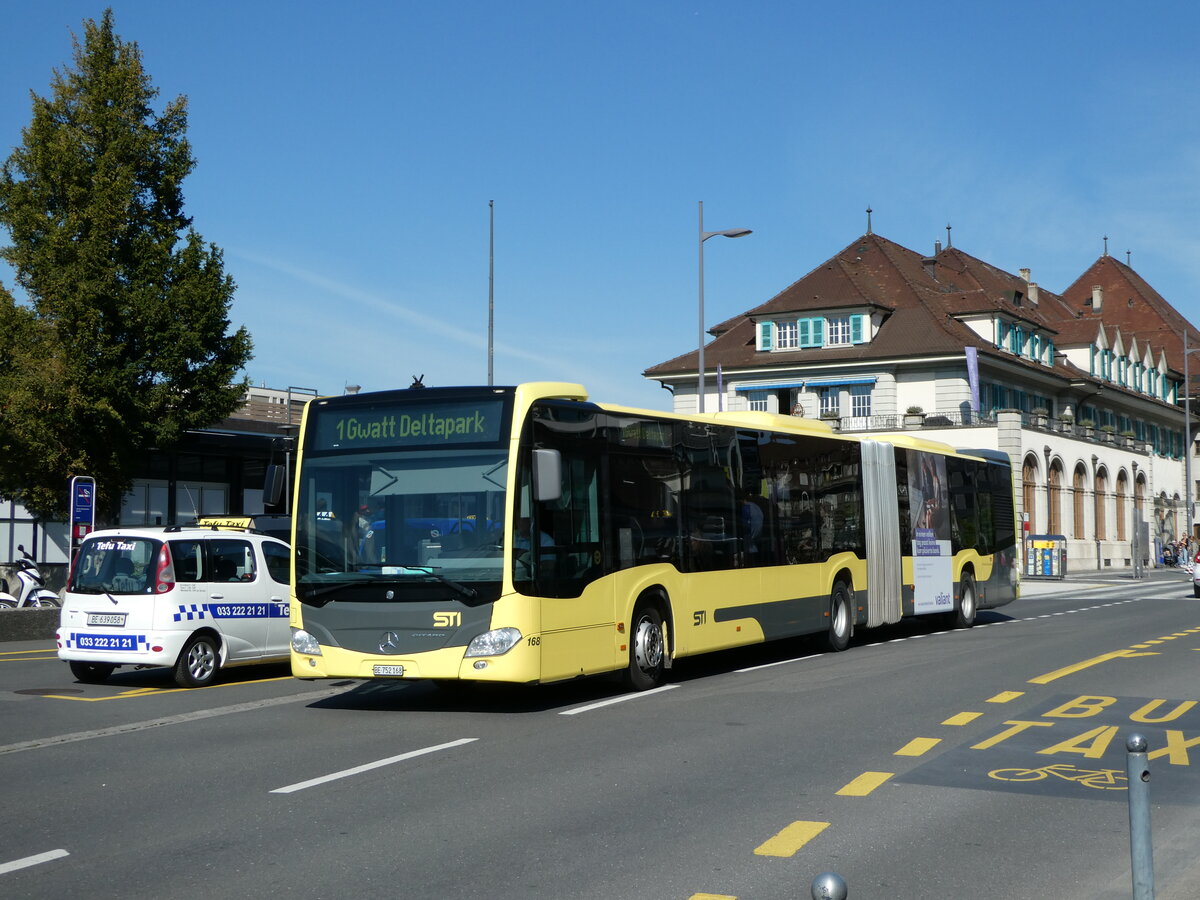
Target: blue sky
[(347, 154)]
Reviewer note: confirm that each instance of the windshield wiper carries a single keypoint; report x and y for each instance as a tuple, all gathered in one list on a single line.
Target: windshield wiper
[(314, 592), (428, 572)]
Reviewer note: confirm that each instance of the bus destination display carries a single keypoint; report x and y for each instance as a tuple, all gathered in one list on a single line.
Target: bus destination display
[(423, 424)]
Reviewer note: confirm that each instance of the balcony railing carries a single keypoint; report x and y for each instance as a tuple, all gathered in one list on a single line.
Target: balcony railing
[(951, 419)]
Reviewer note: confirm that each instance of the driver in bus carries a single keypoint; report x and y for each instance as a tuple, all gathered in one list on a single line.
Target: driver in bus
[(521, 541)]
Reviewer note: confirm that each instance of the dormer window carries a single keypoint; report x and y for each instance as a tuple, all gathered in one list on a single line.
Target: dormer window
[(810, 332)]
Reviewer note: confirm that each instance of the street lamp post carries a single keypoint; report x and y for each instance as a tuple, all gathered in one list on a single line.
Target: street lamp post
[(704, 236), (1189, 491)]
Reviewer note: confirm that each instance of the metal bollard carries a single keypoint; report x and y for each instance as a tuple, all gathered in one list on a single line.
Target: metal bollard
[(1141, 849), (829, 886)]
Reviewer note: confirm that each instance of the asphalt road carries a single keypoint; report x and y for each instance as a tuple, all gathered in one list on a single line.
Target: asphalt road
[(986, 763)]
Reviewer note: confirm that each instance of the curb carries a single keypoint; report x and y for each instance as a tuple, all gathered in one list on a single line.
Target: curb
[(28, 624)]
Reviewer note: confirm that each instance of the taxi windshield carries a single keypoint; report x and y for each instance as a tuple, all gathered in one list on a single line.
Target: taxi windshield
[(115, 565)]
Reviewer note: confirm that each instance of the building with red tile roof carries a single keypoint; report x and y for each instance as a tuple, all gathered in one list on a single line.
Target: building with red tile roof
[(1082, 389)]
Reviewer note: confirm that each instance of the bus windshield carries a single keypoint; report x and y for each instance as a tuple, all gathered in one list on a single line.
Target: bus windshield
[(396, 525)]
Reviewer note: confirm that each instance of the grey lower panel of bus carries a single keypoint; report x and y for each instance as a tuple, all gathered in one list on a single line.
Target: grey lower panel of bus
[(781, 618), (881, 510), (401, 628)]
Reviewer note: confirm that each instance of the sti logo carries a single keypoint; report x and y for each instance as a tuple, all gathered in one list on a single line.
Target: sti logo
[(447, 619)]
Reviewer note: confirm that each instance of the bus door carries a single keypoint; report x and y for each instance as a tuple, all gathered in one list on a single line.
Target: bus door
[(559, 558)]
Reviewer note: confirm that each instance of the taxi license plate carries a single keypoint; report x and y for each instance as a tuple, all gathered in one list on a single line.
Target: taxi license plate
[(387, 670), (117, 619)]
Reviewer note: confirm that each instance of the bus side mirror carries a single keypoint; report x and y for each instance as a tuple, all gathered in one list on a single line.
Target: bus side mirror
[(547, 475), (273, 485)]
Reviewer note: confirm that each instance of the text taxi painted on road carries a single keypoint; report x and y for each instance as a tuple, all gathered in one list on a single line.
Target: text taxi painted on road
[(190, 598)]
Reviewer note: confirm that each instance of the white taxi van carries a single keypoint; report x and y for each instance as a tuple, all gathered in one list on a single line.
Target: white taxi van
[(194, 599)]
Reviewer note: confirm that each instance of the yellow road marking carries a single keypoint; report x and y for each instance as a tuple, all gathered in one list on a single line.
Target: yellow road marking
[(712, 897), (962, 718), (26, 652), (918, 746), (864, 784), (154, 692), (1006, 696), (1086, 664), (1140, 646), (791, 839)]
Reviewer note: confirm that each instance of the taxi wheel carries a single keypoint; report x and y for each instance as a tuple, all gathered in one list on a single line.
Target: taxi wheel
[(91, 673), (198, 662)]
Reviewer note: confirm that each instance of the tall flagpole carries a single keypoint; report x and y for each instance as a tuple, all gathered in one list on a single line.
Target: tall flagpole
[(491, 282)]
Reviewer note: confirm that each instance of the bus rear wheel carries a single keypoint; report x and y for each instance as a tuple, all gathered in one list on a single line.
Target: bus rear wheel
[(838, 637), (647, 649), (964, 613)]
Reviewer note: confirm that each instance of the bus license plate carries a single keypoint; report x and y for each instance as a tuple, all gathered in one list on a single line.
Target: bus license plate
[(117, 619), (388, 670)]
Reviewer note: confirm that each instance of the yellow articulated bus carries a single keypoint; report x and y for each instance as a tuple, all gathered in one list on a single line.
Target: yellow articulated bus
[(526, 534)]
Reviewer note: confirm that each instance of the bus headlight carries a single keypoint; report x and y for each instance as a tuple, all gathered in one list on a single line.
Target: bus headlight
[(303, 642), (494, 643)]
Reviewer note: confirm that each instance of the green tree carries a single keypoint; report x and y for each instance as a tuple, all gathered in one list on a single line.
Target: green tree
[(122, 339)]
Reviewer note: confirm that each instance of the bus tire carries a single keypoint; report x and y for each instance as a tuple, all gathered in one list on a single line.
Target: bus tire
[(647, 649), (198, 661), (968, 604), (90, 672), (838, 637)]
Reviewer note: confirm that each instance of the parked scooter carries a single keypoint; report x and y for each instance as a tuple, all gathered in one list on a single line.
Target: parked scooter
[(31, 588)]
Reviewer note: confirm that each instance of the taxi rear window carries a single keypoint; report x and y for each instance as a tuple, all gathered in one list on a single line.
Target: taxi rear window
[(115, 565)]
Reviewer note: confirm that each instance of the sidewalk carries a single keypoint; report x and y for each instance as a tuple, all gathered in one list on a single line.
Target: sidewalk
[(1160, 577)]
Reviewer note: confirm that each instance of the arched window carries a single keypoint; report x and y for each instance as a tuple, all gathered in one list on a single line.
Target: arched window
[(1100, 487), (1054, 513), (1122, 499), (1029, 490), (1079, 490)]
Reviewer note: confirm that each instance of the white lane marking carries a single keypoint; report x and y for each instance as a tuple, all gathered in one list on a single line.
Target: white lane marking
[(781, 662), (611, 700), (168, 720), (346, 773), (28, 861)]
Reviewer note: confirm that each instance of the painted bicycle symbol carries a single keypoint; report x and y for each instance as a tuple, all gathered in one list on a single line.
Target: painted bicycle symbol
[(1101, 779)]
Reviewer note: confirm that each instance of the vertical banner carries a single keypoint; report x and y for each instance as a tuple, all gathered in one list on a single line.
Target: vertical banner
[(83, 509), (973, 376), (929, 509)]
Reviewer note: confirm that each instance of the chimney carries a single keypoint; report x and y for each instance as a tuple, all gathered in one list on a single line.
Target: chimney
[(1097, 297), (930, 262), (1033, 290), (1025, 275), (937, 247)]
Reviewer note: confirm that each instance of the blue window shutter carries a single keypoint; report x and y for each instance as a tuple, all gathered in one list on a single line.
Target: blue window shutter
[(804, 332), (818, 332), (765, 334), (1049, 353), (856, 329)]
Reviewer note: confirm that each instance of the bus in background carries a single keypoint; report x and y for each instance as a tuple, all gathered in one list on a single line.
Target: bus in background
[(526, 534)]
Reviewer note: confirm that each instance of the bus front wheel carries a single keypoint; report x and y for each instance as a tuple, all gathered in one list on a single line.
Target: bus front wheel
[(839, 618), (647, 648)]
